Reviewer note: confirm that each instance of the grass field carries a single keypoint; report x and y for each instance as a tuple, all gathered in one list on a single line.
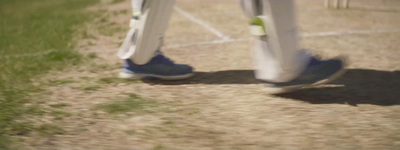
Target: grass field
[(35, 37), (222, 107)]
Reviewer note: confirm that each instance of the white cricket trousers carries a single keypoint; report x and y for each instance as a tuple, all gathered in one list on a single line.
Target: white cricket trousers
[(277, 56)]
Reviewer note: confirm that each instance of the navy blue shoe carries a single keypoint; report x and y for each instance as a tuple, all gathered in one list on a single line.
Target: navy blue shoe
[(317, 72), (159, 67)]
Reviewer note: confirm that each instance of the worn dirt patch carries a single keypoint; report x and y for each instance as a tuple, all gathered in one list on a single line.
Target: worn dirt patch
[(223, 106)]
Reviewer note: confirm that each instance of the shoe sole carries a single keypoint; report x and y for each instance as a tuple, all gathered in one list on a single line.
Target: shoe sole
[(282, 90), (131, 76)]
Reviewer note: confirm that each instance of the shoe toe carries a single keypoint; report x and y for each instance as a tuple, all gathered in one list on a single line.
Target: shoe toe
[(333, 66), (182, 69)]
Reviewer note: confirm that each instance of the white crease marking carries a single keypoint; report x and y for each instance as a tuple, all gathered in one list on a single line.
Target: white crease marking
[(202, 23), (304, 35), (350, 32)]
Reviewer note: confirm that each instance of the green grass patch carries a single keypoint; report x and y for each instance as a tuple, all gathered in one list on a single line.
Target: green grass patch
[(35, 37), (159, 147), (92, 55), (132, 103), (20, 128), (115, 80), (60, 82), (59, 105), (95, 68), (130, 132), (109, 80), (25, 128), (49, 129), (91, 88), (59, 115), (34, 110), (117, 1), (110, 29)]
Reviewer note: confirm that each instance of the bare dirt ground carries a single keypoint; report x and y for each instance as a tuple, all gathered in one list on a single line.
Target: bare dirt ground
[(223, 106)]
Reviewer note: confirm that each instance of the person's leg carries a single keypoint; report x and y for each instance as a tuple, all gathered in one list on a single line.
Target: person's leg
[(278, 59), (149, 22), (141, 48), (277, 56)]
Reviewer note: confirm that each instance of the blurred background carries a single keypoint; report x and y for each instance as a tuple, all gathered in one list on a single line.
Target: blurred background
[(58, 85)]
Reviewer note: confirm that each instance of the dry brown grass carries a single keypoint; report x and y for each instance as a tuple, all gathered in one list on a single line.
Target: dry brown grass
[(223, 106)]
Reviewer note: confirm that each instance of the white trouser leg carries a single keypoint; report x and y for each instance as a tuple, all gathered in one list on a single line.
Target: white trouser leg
[(277, 56), (151, 18)]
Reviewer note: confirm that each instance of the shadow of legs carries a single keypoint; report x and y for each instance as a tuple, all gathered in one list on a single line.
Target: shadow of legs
[(360, 86), (219, 77)]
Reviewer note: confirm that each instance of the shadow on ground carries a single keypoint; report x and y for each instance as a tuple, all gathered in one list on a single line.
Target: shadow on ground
[(219, 77), (358, 86)]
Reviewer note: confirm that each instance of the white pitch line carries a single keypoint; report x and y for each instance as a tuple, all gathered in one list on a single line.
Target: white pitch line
[(304, 35), (387, 9), (202, 23), (350, 32)]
